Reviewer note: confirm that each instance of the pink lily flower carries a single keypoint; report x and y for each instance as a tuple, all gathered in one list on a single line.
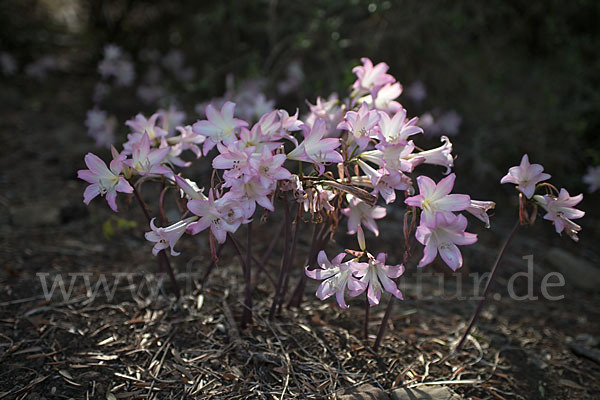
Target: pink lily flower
[(167, 237), (146, 162), (360, 213), (479, 209), (441, 236), (315, 149), (104, 180), (189, 188), (219, 126), (397, 129), (394, 157), (441, 156), (211, 216), (336, 277), (435, 199), (370, 78), (385, 100), (248, 194), (269, 167), (235, 160), (376, 276), (172, 157), (140, 126), (525, 176), (385, 182), (360, 124), (561, 210), (189, 139)]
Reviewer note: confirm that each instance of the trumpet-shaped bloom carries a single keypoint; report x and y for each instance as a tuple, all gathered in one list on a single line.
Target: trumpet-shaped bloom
[(140, 126), (395, 157), (219, 126), (435, 199), (525, 176), (336, 276), (441, 156), (235, 160), (360, 124), (479, 209), (167, 237), (104, 180), (360, 213), (386, 96), (212, 215), (397, 129), (147, 162), (441, 236), (370, 78), (385, 182), (248, 194), (189, 140), (315, 149), (269, 167), (561, 210), (189, 189), (377, 276)]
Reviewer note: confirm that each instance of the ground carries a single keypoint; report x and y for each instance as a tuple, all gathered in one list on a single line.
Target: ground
[(140, 342)]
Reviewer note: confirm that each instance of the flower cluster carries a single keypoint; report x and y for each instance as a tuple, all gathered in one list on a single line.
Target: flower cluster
[(355, 277), (337, 162), (559, 205)]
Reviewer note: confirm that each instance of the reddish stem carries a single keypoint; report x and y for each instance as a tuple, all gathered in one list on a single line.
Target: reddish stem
[(163, 259), (488, 285)]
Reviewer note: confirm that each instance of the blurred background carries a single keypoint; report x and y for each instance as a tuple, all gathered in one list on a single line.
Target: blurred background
[(501, 78)]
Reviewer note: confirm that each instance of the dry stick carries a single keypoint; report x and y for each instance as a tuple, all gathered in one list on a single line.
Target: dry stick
[(487, 288), (288, 268), (247, 312), (284, 258), (163, 259)]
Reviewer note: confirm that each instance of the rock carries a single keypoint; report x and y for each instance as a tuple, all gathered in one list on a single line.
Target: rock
[(364, 392), (426, 393), (576, 270), (587, 352)]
